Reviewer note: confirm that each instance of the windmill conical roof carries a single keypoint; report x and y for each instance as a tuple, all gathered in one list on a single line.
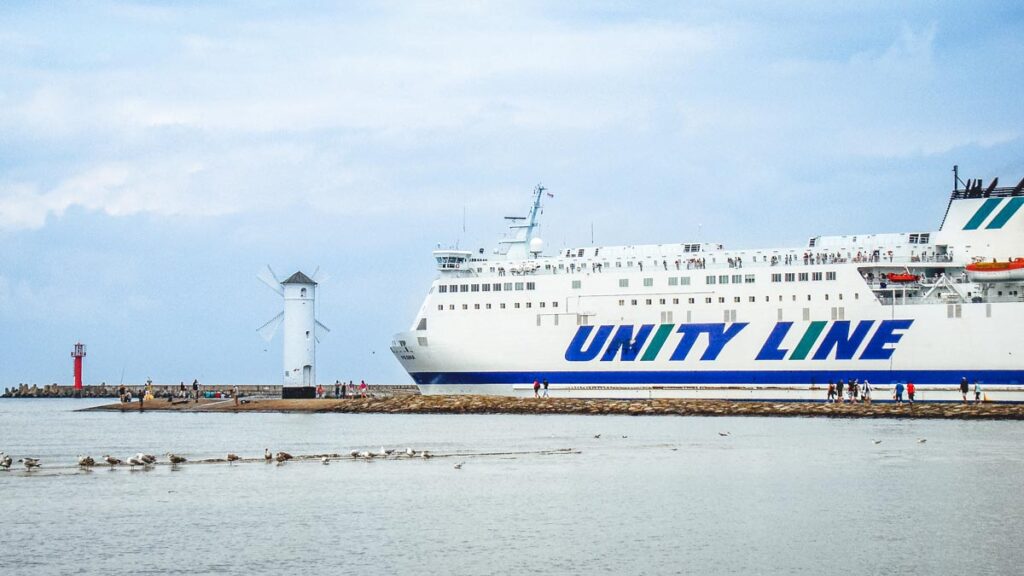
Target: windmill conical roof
[(299, 278)]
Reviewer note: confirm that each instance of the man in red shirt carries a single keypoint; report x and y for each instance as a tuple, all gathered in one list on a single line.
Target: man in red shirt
[(910, 391)]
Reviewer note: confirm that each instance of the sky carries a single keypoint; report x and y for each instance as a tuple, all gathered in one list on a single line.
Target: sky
[(154, 156)]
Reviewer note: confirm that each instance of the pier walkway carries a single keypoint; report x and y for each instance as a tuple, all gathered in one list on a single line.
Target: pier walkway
[(415, 404)]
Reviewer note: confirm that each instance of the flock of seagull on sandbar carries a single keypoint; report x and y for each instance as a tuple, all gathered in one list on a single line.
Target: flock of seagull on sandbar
[(147, 460)]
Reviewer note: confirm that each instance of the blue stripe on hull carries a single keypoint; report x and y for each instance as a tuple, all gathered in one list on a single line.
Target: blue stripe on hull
[(723, 377)]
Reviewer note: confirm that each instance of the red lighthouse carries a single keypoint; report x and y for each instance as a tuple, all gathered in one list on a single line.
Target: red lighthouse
[(78, 354)]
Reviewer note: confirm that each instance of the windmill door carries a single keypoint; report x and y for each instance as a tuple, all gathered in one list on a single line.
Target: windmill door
[(307, 375)]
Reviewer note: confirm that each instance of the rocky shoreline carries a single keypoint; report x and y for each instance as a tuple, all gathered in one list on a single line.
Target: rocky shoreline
[(415, 404)]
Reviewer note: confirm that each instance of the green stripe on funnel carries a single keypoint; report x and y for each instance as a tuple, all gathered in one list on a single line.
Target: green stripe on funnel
[(1005, 214), (986, 208)]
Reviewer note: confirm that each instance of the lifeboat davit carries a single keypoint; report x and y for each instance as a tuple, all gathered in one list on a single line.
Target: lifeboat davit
[(996, 271), (902, 278)]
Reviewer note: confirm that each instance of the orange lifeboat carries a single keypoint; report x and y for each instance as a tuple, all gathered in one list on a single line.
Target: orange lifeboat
[(902, 278), (996, 271)]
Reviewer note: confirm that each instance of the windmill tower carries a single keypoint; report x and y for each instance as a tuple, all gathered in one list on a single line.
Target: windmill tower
[(300, 326)]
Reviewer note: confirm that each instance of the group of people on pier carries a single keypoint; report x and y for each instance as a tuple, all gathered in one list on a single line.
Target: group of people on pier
[(343, 390), (854, 390)]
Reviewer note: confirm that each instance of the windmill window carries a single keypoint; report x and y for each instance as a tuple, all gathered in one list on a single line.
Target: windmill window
[(307, 331), (302, 293)]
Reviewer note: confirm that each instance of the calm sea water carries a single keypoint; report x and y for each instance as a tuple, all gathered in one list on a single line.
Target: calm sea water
[(654, 495)]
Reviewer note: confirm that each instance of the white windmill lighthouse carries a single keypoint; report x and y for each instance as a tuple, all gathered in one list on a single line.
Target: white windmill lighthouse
[(300, 326)]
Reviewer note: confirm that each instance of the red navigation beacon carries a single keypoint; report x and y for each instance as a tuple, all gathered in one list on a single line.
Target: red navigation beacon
[(78, 354)]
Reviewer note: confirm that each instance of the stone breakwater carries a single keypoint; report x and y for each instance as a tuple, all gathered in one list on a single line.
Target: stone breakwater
[(411, 404)]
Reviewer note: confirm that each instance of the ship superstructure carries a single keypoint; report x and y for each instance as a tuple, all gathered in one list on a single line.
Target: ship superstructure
[(696, 319)]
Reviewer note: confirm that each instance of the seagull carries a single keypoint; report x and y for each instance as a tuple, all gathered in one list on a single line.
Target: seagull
[(426, 454), (282, 457), (922, 440), (147, 458), (266, 455), (30, 463), (325, 460), (597, 435), (175, 459), (86, 461), (383, 453), (5, 461), (723, 433), (354, 453), (365, 454), (877, 441), (232, 458), (136, 461), (410, 452), (111, 460), (459, 465), (624, 436)]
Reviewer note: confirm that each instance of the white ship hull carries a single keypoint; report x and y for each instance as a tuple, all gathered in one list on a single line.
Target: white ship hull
[(751, 325)]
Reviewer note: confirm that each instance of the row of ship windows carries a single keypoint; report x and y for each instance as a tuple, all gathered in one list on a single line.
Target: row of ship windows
[(495, 287), (636, 302), (647, 282), (501, 305), (803, 276), (720, 299)]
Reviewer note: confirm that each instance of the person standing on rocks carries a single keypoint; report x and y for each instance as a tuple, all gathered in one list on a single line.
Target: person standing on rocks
[(831, 391), (911, 389), (963, 388), (866, 393), (977, 392), (546, 388), (899, 392), (362, 388), (195, 390), (536, 388), (234, 393), (337, 389), (839, 390)]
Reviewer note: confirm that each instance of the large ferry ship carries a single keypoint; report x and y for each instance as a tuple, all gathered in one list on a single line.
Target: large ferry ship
[(699, 320)]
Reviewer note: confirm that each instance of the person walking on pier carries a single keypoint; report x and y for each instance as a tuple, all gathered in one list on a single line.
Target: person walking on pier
[(911, 389), (899, 392), (839, 390), (362, 388), (866, 393), (831, 391), (536, 388), (977, 392), (181, 390), (337, 389), (963, 389), (234, 393), (195, 390), (545, 383)]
